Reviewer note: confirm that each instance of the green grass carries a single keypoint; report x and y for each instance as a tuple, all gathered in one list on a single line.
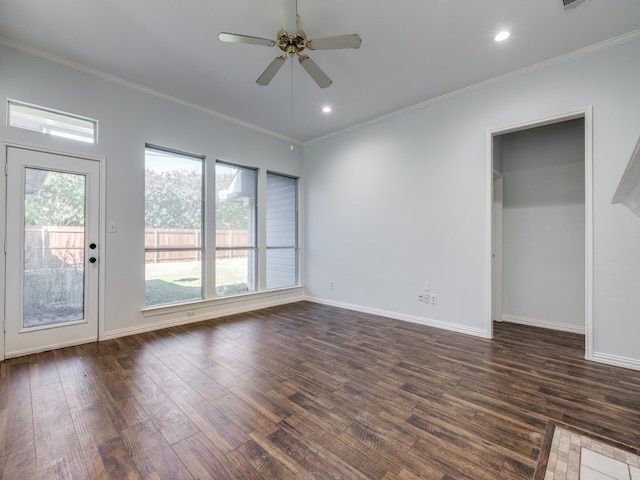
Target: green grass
[(175, 282)]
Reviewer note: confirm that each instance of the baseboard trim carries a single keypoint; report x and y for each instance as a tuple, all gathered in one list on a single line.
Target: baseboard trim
[(476, 332), (616, 361), (533, 322), (225, 310), (31, 351)]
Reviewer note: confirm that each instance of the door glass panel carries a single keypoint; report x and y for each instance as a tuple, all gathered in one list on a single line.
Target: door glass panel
[(54, 239)]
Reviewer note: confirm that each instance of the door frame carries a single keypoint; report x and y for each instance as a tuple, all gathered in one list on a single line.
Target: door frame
[(587, 114), (496, 248), (101, 234)]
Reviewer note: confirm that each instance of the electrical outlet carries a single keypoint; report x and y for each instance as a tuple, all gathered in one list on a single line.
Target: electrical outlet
[(421, 296), (434, 299), (331, 285), (191, 313)]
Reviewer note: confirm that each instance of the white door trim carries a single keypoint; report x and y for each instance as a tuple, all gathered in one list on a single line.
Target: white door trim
[(101, 235), (587, 114), (496, 253)]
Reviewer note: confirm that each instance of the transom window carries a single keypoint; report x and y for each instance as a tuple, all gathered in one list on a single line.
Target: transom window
[(51, 122)]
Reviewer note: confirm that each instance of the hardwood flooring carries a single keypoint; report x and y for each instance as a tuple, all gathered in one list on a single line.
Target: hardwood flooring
[(305, 391)]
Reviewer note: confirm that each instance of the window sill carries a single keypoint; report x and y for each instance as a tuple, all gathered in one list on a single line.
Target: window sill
[(220, 301)]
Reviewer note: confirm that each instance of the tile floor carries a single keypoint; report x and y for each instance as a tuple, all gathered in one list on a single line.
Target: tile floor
[(576, 457)]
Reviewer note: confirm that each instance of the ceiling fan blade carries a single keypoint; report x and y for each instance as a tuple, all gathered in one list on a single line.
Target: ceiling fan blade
[(237, 38), (271, 71), (315, 71), (289, 14), (351, 40)]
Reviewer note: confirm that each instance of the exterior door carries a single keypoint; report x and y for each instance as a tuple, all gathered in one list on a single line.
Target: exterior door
[(52, 251)]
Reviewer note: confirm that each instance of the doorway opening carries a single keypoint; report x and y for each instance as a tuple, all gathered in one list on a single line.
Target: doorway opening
[(539, 206)]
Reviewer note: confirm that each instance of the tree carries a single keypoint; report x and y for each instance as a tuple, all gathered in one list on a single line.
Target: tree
[(230, 214), (173, 199), (60, 199)]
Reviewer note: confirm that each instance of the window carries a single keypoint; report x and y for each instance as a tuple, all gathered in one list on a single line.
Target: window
[(282, 231), (201, 245), (174, 253), (51, 122), (235, 265)]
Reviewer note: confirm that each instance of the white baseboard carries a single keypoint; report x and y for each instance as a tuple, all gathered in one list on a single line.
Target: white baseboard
[(453, 327), (30, 351), (225, 307), (616, 361), (533, 322)]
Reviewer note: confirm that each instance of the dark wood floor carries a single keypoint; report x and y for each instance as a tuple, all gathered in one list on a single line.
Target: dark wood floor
[(305, 391)]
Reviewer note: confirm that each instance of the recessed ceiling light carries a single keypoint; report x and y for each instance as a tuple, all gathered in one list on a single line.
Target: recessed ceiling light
[(326, 109), (502, 36)]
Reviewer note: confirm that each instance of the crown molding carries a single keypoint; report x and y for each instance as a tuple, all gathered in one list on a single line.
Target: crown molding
[(134, 86), (627, 37)]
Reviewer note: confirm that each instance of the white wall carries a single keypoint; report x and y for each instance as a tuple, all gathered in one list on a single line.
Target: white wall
[(403, 200), (127, 119), (544, 226), (388, 205)]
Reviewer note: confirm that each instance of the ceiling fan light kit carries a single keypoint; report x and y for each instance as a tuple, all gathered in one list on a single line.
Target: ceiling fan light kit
[(292, 44)]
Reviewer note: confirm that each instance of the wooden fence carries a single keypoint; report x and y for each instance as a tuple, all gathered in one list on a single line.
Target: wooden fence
[(190, 238), (58, 246), (53, 247)]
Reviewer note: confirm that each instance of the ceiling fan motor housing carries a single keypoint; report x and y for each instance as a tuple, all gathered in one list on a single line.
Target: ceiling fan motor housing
[(292, 44)]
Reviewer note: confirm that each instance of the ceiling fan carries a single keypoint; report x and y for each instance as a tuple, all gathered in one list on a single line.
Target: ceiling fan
[(292, 41)]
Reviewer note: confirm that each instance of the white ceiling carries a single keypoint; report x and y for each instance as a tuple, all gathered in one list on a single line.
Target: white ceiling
[(412, 50)]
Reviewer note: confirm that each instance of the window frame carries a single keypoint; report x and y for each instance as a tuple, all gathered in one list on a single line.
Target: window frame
[(296, 246), (202, 249), (54, 115), (253, 283)]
